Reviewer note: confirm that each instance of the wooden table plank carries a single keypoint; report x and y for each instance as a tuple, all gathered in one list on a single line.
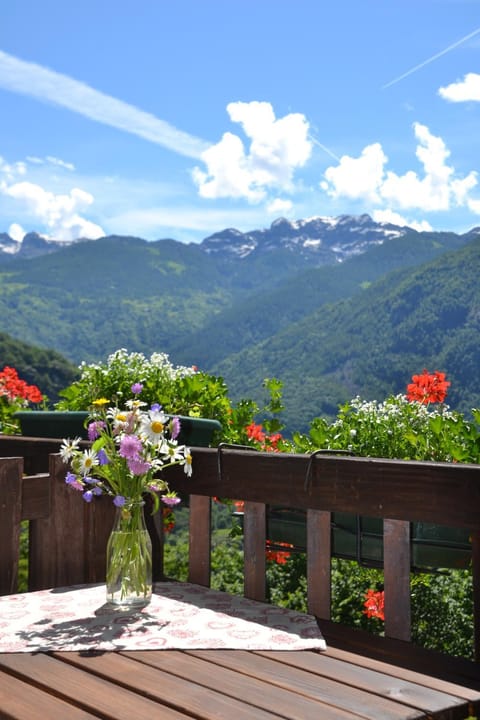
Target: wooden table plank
[(422, 678), (385, 685), (401, 654), (181, 693), (100, 696), (22, 701), (266, 683)]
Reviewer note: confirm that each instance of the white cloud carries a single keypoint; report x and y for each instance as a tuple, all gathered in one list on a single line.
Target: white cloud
[(464, 90), (388, 216), (474, 205), (50, 159), (364, 178), (10, 171), (277, 148), (357, 178), (48, 86), (60, 163), (16, 232), (59, 213), (279, 206)]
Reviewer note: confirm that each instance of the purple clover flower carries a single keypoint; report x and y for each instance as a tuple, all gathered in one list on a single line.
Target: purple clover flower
[(94, 429), (170, 500), (130, 447), (175, 427), (137, 388), (138, 466)]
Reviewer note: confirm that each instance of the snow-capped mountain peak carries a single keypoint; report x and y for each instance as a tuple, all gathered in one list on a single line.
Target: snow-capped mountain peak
[(327, 238)]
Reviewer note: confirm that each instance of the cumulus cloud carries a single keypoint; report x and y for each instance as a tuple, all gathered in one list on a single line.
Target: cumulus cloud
[(59, 213), (279, 206), (16, 232), (357, 178), (365, 178), (463, 90), (277, 148), (388, 216)]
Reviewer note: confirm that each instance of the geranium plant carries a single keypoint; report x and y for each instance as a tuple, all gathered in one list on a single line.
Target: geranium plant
[(131, 447), (417, 425), (15, 394)]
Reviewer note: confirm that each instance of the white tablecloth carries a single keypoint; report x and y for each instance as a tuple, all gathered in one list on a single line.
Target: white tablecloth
[(180, 616)]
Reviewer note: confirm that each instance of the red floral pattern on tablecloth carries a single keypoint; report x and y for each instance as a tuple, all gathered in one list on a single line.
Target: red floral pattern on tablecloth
[(181, 616)]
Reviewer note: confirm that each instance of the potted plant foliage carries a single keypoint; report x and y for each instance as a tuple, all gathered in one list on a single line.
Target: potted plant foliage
[(198, 399), (418, 426)]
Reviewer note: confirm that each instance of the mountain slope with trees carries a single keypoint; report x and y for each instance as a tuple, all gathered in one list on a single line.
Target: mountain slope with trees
[(327, 331), (90, 298), (372, 343)]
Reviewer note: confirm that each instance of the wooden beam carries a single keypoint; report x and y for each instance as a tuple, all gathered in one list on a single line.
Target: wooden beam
[(11, 471)]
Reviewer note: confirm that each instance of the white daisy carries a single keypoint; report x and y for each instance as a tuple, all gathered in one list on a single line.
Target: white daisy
[(69, 448), (187, 468), (152, 426), (88, 460)]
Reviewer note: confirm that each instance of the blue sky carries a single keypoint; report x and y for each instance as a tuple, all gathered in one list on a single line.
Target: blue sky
[(177, 119)]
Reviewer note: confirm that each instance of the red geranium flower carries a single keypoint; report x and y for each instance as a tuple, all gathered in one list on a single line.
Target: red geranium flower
[(428, 387), (278, 556), (12, 387), (375, 604), (256, 433)]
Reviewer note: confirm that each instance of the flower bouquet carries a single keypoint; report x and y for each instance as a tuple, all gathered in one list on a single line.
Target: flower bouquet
[(130, 448)]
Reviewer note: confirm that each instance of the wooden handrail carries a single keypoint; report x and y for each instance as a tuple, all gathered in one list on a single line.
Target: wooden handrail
[(68, 537)]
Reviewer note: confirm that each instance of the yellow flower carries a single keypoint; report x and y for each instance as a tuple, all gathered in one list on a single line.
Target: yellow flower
[(101, 402)]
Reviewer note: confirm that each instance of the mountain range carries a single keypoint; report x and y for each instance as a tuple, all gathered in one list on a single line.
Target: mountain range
[(331, 306)]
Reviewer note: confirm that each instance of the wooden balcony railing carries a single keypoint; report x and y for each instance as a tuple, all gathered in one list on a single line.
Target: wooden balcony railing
[(68, 537)]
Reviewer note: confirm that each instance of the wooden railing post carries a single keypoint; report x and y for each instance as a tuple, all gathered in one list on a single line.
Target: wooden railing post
[(254, 528), (476, 593), (200, 540), (11, 472), (396, 561), (319, 563)]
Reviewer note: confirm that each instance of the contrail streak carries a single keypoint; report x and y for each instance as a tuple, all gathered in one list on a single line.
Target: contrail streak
[(48, 86), (324, 148), (431, 59)]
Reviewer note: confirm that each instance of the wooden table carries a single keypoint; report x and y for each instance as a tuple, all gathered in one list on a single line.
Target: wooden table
[(217, 684), (208, 684)]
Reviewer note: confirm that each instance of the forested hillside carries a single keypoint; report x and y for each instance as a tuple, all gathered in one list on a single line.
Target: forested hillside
[(328, 332), (372, 343), (88, 299)]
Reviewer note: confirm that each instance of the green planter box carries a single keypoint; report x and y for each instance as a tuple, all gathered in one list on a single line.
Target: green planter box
[(359, 538), (62, 424), (53, 423)]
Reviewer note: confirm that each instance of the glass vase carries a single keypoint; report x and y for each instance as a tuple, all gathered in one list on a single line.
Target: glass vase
[(129, 558)]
